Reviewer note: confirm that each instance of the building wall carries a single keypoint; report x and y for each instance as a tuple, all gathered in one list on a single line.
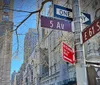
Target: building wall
[(5, 41), (55, 55), (29, 43), (13, 78), (25, 74), (36, 65), (59, 71), (6, 5), (48, 52), (20, 75), (28, 72), (28, 75), (15, 81), (92, 45), (5, 52), (18, 78)]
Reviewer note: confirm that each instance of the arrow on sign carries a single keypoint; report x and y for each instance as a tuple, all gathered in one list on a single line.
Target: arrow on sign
[(86, 18)]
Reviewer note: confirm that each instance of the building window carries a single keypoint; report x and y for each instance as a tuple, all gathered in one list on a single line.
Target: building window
[(52, 84), (5, 17), (6, 9), (43, 33), (51, 70), (55, 67), (6, 2)]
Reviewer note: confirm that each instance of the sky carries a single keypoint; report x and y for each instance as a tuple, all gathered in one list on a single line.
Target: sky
[(27, 5)]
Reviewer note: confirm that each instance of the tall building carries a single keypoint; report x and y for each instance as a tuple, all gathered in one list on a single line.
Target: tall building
[(52, 69), (5, 12), (29, 43), (13, 77), (60, 72), (17, 78), (28, 75), (20, 76), (6, 26), (25, 74), (5, 52), (92, 46)]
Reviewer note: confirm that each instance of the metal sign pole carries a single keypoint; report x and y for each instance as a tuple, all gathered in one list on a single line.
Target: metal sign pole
[(80, 65)]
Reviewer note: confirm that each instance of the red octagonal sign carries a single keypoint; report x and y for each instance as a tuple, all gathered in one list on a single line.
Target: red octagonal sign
[(68, 54)]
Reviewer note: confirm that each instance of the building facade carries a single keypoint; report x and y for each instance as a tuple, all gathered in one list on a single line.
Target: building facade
[(29, 43), (60, 72), (53, 70), (25, 74), (45, 65), (5, 12), (6, 26), (18, 79), (13, 78), (92, 46), (5, 52), (28, 75)]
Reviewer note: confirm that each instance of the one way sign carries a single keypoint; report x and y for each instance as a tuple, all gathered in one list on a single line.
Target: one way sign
[(86, 18)]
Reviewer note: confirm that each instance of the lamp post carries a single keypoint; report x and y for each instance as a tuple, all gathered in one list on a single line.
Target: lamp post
[(81, 75)]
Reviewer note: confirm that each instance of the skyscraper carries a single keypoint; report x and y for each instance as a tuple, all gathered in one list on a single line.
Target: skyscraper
[(29, 43), (5, 12), (5, 52), (5, 40), (13, 77)]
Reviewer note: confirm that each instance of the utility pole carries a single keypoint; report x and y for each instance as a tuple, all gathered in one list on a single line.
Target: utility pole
[(81, 74)]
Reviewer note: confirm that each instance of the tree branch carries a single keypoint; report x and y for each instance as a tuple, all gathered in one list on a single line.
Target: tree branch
[(39, 10)]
